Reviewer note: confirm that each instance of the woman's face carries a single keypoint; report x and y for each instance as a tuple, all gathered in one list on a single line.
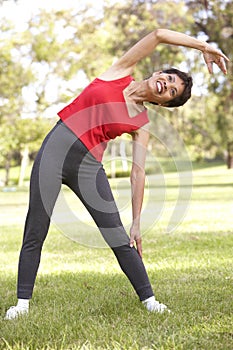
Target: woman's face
[(165, 87)]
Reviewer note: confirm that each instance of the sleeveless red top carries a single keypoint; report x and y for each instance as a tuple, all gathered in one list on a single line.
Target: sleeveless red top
[(100, 114)]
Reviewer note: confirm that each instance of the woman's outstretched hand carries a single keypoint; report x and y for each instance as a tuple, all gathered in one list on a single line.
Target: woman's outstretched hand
[(135, 236), (212, 55)]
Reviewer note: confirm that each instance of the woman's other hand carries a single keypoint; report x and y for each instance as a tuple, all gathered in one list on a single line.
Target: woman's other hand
[(212, 55), (135, 236)]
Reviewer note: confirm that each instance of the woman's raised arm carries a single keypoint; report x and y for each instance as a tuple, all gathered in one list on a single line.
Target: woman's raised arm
[(147, 45)]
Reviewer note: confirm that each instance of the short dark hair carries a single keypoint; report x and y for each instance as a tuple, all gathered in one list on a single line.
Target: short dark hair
[(186, 94)]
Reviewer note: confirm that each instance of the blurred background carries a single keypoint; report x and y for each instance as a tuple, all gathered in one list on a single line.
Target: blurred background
[(50, 50)]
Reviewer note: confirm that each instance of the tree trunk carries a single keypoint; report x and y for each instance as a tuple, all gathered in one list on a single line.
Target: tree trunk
[(23, 165), (230, 155), (7, 170), (229, 161)]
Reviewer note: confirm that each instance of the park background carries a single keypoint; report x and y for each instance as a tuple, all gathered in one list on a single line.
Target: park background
[(49, 52)]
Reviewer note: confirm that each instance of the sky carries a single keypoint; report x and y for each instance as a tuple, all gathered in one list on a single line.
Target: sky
[(21, 11)]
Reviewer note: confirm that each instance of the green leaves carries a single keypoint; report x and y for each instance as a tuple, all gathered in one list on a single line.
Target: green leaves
[(57, 45)]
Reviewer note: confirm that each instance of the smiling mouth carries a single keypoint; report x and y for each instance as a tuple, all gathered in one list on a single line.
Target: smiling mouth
[(159, 87)]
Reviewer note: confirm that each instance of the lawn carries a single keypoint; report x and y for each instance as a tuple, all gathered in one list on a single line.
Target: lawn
[(83, 301)]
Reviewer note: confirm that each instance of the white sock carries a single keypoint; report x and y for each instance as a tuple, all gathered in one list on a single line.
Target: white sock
[(148, 300), (23, 304)]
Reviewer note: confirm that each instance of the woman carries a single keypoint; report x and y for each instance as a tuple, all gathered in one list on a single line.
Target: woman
[(71, 154)]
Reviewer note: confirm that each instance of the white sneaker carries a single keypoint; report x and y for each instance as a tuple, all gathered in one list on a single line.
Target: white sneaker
[(153, 305), (14, 312)]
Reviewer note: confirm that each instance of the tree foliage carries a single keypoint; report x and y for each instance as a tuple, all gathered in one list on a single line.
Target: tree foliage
[(56, 47), (123, 24), (215, 20)]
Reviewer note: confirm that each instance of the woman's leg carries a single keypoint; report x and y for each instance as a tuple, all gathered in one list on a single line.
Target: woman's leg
[(45, 185), (46, 180), (87, 178)]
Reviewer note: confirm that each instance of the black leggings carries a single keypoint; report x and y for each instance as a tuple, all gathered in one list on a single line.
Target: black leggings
[(64, 159)]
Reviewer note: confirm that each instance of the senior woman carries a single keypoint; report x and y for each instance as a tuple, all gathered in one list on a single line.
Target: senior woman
[(71, 154)]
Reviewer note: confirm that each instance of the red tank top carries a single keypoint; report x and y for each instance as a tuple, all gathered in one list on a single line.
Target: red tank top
[(100, 114)]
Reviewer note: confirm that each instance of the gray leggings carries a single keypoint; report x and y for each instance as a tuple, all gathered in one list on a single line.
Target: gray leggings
[(63, 159)]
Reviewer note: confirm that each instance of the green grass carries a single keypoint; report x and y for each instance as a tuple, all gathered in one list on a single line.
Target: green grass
[(83, 301)]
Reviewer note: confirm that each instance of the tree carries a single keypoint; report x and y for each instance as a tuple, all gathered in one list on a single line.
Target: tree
[(13, 77), (23, 57), (122, 24), (215, 20), (30, 133), (58, 45)]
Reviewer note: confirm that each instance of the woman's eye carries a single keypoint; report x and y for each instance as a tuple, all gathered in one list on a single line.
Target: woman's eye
[(173, 92), (170, 78)]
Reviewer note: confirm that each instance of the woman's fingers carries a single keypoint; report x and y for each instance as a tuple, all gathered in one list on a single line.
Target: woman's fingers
[(139, 246), (210, 66), (222, 65), (224, 56), (215, 56)]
